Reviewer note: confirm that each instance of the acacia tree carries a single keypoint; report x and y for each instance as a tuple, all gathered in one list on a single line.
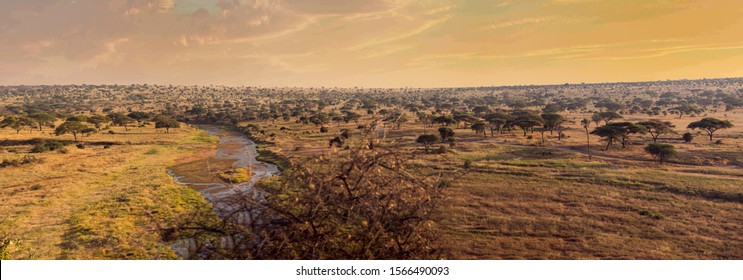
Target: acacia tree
[(617, 132), (398, 118), (656, 128), (16, 123), (42, 119), (527, 120), (661, 151), (120, 119), (445, 120), (552, 121), (686, 109), (74, 128), (138, 116), (606, 117), (479, 128), (427, 140), (445, 133), (710, 125), (98, 120), (498, 121), (166, 122)]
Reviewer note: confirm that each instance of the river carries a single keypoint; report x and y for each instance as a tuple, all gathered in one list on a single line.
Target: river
[(226, 198)]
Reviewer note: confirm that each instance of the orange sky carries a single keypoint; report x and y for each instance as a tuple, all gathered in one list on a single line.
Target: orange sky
[(392, 43)]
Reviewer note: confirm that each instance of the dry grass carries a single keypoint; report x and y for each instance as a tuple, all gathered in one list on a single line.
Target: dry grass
[(96, 202), (525, 200)]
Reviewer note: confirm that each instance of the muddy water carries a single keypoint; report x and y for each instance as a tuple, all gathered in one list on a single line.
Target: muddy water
[(233, 146)]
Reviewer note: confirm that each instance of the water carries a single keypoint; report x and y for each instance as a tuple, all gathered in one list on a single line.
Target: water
[(228, 199)]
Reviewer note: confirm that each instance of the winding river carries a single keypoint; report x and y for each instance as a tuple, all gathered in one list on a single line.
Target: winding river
[(233, 146)]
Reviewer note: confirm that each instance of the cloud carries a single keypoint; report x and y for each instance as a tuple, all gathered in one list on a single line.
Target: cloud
[(375, 42)]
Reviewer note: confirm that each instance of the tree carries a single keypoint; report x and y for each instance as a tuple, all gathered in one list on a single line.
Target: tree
[(98, 120), (686, 109), (398, 118), (586, 123), (552, 121), (618, 132), (74, 128), (166, 122), (606, 117), (351, 116), (710, 125), (427, 140), (16, 123), (479, 127), (445, 120), (121, 120), (656, 128), (498, 121), (319, 119), (42, 119), (661, 151), (138, 116), (527, 120), (445, 133)]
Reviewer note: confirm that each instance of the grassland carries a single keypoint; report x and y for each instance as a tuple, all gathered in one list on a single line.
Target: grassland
[(521, 199), (99, 202)]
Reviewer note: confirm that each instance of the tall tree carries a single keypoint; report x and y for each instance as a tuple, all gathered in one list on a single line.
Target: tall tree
[(586, 123)]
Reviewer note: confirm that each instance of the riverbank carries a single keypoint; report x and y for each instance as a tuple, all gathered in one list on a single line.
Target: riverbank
[(100, 202)]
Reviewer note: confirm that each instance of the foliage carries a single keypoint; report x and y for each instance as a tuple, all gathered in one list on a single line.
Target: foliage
[(661, 151), (710, 125)]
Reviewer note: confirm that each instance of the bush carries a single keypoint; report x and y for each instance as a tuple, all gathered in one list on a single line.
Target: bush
[(323, 129), (63, 151), (442, 149), (39, 148), (467, 164), (43, 145), (80, 146), (28, 159), (236, 176), (688, 137)]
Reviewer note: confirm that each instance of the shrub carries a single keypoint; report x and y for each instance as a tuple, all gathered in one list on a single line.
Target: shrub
[(323, 129), (688, 137), (236, 176), (661, 151), (442, 149), (80, 146), (467, 164)]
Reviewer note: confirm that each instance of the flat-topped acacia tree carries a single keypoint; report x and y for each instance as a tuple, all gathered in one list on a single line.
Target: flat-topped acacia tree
[(166, 122), (710, 125), (75, 128), (656, 128)]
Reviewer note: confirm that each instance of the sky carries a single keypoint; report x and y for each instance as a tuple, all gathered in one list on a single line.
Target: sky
[(367, 43)]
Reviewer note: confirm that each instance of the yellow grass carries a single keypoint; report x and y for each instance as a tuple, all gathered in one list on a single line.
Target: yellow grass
[(96, 202)]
